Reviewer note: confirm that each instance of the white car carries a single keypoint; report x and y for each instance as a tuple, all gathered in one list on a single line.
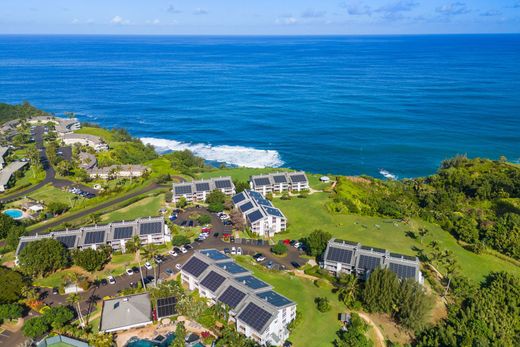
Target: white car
[(111, 280), (173, 253), (129, 272), (178, 266), (297, 245), (148, 266), (233, 250), (239, 251), (183, 250)]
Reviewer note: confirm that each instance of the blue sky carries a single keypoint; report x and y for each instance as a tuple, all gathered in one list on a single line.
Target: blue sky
[(269, 17)]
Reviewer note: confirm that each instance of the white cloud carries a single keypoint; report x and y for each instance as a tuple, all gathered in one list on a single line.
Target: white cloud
[(312, 13), (118, 20), (286, 19), (199, 11), (153, 22), (172, 9), (453, 9)]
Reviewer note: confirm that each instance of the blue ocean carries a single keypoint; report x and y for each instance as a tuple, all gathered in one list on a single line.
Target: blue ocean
[(339, 105)]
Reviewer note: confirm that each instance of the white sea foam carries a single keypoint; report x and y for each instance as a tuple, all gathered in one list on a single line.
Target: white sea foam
[(387, 174), (234, 155)]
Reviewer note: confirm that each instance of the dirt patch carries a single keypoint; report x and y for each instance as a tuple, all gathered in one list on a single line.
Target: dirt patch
[(390, 329), (357, 179)]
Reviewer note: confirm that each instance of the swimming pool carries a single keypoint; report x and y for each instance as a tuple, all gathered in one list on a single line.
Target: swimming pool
[(14, 213), (147, 343)]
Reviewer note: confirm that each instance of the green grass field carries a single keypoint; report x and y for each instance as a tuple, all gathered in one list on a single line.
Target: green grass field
[(306, 215), (103, 133), (316, 328), (148, 206), (49, 193)]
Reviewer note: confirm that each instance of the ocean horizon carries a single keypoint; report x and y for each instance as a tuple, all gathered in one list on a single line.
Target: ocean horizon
[(327, 104)]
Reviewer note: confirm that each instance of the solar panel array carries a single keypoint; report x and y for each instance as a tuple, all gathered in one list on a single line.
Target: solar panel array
[(213, 281), (252, 282), (402, 271), (280, 179), (298, 178), (238, 198), (255, 216), (273, 211), (407, 257), (339, 255), (214, 254), (368, 263), (232, 297), (186, 189), (255, 316), (195, 267), (202, 187), (262, 181), (259, 198), (274, 298), (246, 207), (232, 267), (94, 237), (352, 243), (22, 246), (123, 233), (223, 184), (68, 241), (150, 228), (166, 307)]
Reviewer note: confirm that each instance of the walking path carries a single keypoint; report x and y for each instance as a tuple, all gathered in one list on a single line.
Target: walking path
[(380, 338)]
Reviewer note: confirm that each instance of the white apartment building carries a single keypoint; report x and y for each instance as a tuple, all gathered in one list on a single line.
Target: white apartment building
[(259, 213), (258, 311), (279, 182), (199, 190), (93, 141)]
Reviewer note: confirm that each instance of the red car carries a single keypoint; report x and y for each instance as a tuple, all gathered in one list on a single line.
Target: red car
[(206, 230), (287, 242), (226, 235)]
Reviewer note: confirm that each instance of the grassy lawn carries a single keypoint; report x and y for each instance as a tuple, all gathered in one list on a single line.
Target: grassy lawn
[(49, 193), (240, 174), (316, 328), (306, 215), (53, 280), (103, 133), (148, 206)]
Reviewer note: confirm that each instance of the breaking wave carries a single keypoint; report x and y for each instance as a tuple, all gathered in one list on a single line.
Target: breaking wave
[(232, 155)]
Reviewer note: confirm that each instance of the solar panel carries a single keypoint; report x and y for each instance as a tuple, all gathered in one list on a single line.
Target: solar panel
[(68, 241), (223, 184), (213, 281), (195, 267), (366, 248), (252, 282), (279, 178), (407, 257), (379, 250), (274, 211), (22, 246), (368, 263), (247, 206), (202, 187), (238, 198), (214, 254), (274, 298), (262, 181), (259, 198), (255, 316), (93, 237), (232, 267), (186, 189), (352, 243), (166, 307), (255, 216), (231, 296), (339, 255), (396, 255), (402, 271), (123, 233), (298, 178), (150, 228)]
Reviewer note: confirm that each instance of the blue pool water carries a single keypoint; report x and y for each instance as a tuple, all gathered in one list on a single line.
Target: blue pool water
[(148, 343), (344, 104), (13, 213)]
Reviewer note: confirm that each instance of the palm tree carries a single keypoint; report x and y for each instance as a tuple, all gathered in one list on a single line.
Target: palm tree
[(138, 246), (150, 252), (347, 288), (73, 299)]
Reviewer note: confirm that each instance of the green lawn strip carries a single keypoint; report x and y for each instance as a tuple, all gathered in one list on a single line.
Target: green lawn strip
[(316, 328), (306, 215), (55, 279), (240, 174), (49, 193), (103, 133), (148, 206)]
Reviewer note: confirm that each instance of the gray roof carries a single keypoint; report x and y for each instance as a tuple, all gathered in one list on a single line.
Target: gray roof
[(123, 312), (93, 138), (200, 186), (3, 152), (9, 170), (278, 178)]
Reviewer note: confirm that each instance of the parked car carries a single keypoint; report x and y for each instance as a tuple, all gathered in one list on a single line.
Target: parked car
[(232, 239), (183, 249), (183, 224), (55, 291), (191, 223), (215, 234), (199, 239), (287, 242), (169, 271), (259, 257), (226, 251), (188, 246), (206, 229), (173, 217), (233, 250), (177, 249), (270, 265), (172, 253), (158, 259), (103, 282), (239, 251), (111, 280), (178, 266), (129, 272), (295, 265), (148, 266), (297, 245)]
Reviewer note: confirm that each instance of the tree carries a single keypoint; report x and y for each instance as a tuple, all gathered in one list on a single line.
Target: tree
[(216, 196), (240, 186), (101, 340), (354, 335), (6, 224), (182, 203), (42, 257), (58, 316), (13, 237), (150, 252), (180, 335), (316, 242), (279, 249), (347, 288), (180, 240), (380, 293), (216, 207), (11, 285), (74, 299), (237, 219), (322, 304), (423, 232), (10, 311), (138, 245), (90, 259), (414, 305), (35, 327), (57, 207), (204, 219), (95, 218)]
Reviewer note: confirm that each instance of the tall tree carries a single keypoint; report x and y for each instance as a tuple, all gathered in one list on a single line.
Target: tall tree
[(347, 288)]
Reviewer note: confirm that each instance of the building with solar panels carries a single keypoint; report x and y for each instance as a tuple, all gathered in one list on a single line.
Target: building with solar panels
[(257, 310), (259, 213), (151, 230), (279, 182), (353, 258), (127, 312), (198, 190)]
